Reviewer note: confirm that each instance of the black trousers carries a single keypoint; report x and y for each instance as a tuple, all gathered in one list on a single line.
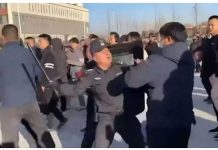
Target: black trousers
[(91, 124), (129, 127), (206, 82), (51, 107), (30, 130), (63, 101), (170, 137)]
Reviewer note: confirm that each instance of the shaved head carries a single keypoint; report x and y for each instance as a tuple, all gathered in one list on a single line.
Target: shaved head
[(10, 32)]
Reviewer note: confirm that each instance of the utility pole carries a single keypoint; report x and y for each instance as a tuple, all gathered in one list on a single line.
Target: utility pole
[(113, 19), (19, 21), (196, 17), (117, 23), (155, 17), (108, 21), (173, 10)]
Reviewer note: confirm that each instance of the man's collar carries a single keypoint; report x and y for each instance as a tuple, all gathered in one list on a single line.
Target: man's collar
[(11, 43), (99, 70)]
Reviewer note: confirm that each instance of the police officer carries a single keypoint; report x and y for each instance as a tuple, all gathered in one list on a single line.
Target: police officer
[(109, 108), (17, 77), (91, 123), (50, 65)]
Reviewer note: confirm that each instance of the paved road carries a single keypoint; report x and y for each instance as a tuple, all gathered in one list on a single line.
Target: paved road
[(70, 135)]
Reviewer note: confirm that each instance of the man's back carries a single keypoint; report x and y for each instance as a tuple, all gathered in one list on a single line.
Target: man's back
[(17, 75)]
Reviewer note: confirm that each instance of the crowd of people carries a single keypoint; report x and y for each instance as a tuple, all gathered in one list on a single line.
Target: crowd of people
[(42, 75)]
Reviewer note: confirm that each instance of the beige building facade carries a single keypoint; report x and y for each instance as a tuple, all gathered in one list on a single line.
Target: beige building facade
[(57, 19)]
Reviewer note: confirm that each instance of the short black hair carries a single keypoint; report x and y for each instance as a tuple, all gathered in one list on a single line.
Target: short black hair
[(29, 38), (74, 40), (10, 31), (134, 36), (213, 17), (93, 36), (152, 34), (21, 42), (123, 38), (46, 37), (116, 35), (175, 30)]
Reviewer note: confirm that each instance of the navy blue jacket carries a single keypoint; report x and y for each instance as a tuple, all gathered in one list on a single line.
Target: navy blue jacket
[(17, 75), (170, 76)]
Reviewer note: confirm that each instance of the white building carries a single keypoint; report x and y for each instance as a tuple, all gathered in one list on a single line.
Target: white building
[(57, 19)]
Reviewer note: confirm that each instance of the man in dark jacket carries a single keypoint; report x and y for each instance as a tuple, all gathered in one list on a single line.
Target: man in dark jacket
[(152, 46), (61, 58), (31, 42), (49, 63), (212, 63), (17, 91), (171, 77)]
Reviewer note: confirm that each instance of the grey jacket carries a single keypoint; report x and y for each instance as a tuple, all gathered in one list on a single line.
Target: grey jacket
[(17, 75), (170, 76), (97, 80)]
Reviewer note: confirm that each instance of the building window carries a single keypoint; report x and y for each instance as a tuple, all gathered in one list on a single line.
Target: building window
[(1, 20), (35, 7), (3, 5), (49, 10), (52, 10), (29, 7), (44, 8), (41, 9), (38, 7)]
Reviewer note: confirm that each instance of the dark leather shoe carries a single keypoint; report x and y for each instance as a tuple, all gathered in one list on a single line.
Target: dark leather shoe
[(214, 130), (216, 137), (62, 123)]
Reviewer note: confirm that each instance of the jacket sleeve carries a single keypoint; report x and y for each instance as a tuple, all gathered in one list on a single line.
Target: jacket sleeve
[(78, 88), (48, 63), (133, 77), (141, 74)]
